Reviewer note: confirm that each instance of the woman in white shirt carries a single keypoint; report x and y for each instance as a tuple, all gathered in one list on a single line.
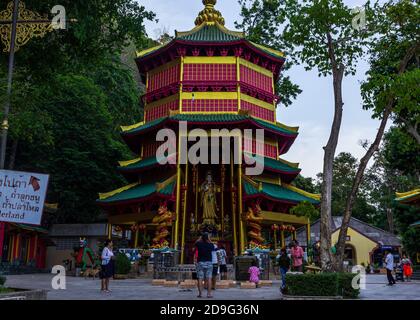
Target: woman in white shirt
[(107, 266)]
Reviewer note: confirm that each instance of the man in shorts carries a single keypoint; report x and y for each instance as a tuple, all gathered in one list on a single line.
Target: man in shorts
[(204, 266)]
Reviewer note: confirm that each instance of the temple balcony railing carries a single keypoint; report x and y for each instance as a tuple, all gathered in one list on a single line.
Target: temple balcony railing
[(210, 86)]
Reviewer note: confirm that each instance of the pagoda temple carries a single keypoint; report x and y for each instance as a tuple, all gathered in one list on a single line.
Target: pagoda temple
[(211, 78)]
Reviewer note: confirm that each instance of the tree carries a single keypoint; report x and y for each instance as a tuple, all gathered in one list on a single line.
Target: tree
[(306, 209), (393, 56), (322, 35)]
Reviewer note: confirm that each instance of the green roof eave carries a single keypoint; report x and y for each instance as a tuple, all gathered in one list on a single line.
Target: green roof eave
[(276, 192), (212, 118), (138, 192), (30, 227), (276, 165), (209, 33), (143, 164)]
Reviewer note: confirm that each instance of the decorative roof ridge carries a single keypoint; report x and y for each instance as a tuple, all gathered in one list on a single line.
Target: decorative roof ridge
[(284, 126), (131, 127), (265, 48), (103, 196), (403, 195), (302, 192), (129, 162), (149, 50), (209, 13), (257, 185), (292, 164), (162, 185)]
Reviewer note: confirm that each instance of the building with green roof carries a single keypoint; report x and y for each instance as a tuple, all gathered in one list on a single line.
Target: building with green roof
[(209, 82)]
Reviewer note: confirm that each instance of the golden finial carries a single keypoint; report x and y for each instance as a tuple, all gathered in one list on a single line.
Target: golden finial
[(209, 14)]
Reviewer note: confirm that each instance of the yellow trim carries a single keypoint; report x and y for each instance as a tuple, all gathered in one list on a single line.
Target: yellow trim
[(241, 222), (131, 127), (257, 102), (273, 51), (292, 164), (103, 196), (210, 60), (161, 102), (266, 179), (164, 184), (184, 214), (128, 162), (146, 51), (235, 237), (401, 195), (178, 195), (281, 125), (16, 255), (256, 185), (210, 95), (255, 67), (278, 217), (180, 86), (164, 67), (302, 192), (238, 78), (239, 34)]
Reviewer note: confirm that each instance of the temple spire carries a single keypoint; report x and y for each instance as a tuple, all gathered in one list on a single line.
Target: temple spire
[(209, 14)]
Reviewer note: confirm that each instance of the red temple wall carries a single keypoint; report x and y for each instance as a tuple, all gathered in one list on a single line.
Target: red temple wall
[(258, 111), (256, 79), (162, 110), (250, 146), (209, 72), (163, 78), (210, 105)]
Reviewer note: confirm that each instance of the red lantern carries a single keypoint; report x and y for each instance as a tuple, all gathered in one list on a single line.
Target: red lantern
[(142, 227), (274, 227)]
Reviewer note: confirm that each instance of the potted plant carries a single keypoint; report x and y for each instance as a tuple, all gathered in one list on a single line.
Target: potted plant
[(122, 266), (376, 268), (368, 268)]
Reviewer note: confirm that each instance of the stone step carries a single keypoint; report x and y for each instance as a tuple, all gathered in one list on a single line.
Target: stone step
[(248, 285)]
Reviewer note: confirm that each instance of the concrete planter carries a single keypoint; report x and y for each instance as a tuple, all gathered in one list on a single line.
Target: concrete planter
[(289, 297), (120, 276), (23, 294)]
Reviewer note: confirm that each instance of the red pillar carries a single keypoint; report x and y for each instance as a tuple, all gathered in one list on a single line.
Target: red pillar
[(2, 232)]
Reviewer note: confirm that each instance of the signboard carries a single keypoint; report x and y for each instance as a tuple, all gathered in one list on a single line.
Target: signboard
[(22, 196)]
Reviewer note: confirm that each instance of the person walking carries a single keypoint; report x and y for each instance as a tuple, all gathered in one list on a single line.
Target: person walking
[(284, 264), (204, 265), (389, 264), (107, 266), (215, 262), (297, 256), (223, 262), (407, 267)]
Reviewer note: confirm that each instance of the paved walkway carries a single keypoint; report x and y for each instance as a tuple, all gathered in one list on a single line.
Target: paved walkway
[(141, 289)]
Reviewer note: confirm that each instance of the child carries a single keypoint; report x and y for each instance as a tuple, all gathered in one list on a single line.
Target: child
[(254, 273), (407, 269)]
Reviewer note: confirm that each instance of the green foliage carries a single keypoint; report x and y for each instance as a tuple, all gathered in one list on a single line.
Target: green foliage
[(344, 171), (2, 280), (122, 264), (321, 284), (345, 287), (307, 184), (306, 209), (396, 26), (261, 21)]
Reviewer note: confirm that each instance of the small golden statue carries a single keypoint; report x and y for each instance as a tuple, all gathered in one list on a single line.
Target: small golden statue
[(208, 200)]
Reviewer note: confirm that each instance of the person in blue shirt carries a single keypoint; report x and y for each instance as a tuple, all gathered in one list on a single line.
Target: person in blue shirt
[(389, 264)]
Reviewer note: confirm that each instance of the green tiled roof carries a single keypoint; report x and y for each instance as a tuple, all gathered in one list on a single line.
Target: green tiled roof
[(277, 192), (142, 164), (30, 228), (277, 165), (138, 192), (212, 118), (209, 33)]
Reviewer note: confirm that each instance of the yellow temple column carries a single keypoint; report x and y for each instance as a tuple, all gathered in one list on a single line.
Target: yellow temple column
[(136, 238), (308, 232), (282, 238), (184, 214), (240, 209), (234, 227)]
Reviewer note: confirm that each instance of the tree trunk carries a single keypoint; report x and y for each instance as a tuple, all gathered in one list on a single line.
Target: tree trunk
[(329, 153), (363, 164), (12, 158), (413, 131)]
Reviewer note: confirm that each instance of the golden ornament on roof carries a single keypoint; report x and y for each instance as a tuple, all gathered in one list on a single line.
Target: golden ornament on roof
[(209, 14)]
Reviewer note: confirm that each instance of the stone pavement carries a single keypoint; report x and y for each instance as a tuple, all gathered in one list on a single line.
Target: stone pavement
[(141, 289)]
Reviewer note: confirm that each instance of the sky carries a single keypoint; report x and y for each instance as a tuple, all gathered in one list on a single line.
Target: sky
[(313, 109)]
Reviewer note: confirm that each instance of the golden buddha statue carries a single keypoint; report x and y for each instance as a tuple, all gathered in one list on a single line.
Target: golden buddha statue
[(208, 191)]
